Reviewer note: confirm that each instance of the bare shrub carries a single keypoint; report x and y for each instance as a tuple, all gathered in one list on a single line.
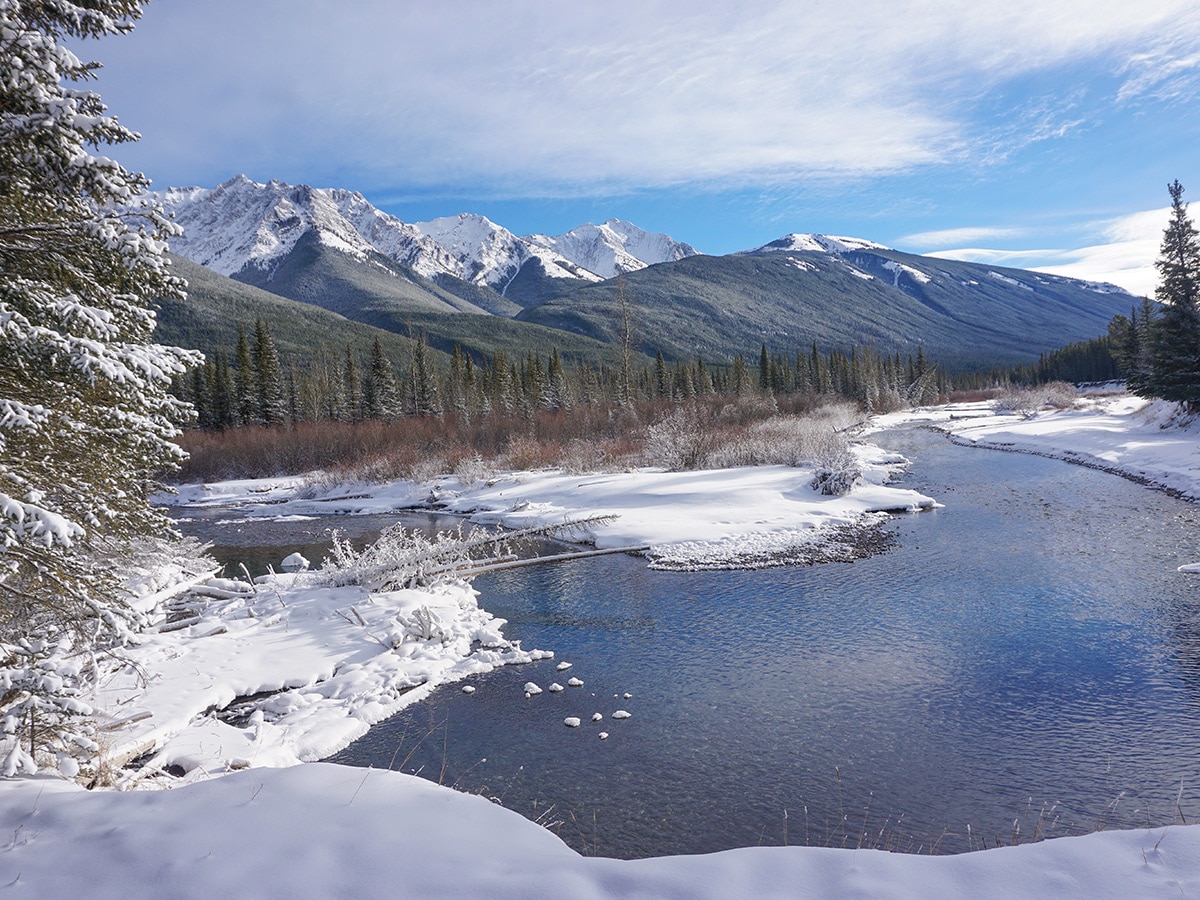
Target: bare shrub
[(579, 457), (1028, 401), (525, 451), (681, 441), (473, 469), (837, 473), (403, 558), (709, 431)]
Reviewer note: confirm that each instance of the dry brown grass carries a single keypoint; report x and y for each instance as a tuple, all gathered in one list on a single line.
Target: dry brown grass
[(584, 438)]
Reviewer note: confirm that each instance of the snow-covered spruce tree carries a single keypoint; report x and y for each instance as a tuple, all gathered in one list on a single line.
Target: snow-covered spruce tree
[(86, 420), (1175, 335)]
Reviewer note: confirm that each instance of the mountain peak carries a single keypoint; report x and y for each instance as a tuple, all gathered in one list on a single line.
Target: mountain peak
[(615, 247), (816, 243)]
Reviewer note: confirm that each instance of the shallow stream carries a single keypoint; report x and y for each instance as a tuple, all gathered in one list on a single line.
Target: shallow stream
[(1023, 662)]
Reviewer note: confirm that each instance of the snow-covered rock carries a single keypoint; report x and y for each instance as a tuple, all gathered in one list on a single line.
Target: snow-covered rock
[(484, 253), (614, 247), (242, 223)]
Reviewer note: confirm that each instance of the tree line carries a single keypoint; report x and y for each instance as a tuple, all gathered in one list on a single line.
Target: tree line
[(249, 384)]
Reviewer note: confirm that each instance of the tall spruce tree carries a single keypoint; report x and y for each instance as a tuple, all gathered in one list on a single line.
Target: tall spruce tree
[(271, 405), (86, 417), (245, 388), (1175, 337), (381, 396), (352, 394), (423, 392)]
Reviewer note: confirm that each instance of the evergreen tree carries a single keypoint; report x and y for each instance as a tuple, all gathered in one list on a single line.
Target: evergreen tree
[(245, 389), (294, 409), (352, 395), (424, 394), (456, 386), (559, 388), (271, 406), (86, 417), (224, 401), (381, 397), (201, 394), (1175, 338)]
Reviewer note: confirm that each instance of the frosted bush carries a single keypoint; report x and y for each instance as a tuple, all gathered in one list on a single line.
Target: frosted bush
[(687, 439), (837, 473), (403, 558), (473, 469), (679, 442), (1028, 401), (426, 625), (580, 457), (428, 468)]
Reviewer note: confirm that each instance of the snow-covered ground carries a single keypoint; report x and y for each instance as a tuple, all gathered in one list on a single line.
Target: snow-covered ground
[(340, 659), (1143, 440), (323, 831)]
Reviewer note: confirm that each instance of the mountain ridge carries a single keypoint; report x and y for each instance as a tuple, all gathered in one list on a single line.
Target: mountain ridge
[(453, 275), (241, 226)]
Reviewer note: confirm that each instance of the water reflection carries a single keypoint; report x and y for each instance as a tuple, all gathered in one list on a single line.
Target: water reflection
[(1027, 653)]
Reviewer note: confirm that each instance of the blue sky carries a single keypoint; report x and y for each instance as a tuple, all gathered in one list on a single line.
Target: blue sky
[(1036, 134)]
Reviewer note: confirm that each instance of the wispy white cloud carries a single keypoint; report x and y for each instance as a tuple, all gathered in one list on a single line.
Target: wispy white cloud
[(925, 240), (521, 96), (1124, 256)]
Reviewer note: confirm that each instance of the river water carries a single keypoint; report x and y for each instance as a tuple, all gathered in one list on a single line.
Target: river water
[(1023, 662)]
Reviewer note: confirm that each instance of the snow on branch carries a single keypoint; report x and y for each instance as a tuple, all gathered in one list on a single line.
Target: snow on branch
[(407, 558)]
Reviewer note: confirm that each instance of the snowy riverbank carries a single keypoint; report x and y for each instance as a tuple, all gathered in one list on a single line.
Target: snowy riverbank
[(727, 517), (1138, 439), (340, 659), (320, 831), (335, 660)]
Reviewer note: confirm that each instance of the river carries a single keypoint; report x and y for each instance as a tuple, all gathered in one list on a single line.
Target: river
[(1023, 662)]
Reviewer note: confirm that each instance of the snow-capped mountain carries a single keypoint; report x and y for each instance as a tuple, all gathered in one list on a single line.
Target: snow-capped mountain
[(242, 223), (614, 247), (242, 226), (816, 243), (487, 254)]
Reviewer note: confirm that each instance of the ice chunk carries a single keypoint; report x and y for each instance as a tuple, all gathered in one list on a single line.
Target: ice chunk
[(604, 735), (575, 682), (621, 714), (468, 689), (571, 721), (563, 666), (596, 717), (531, 689), (555, 688)]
